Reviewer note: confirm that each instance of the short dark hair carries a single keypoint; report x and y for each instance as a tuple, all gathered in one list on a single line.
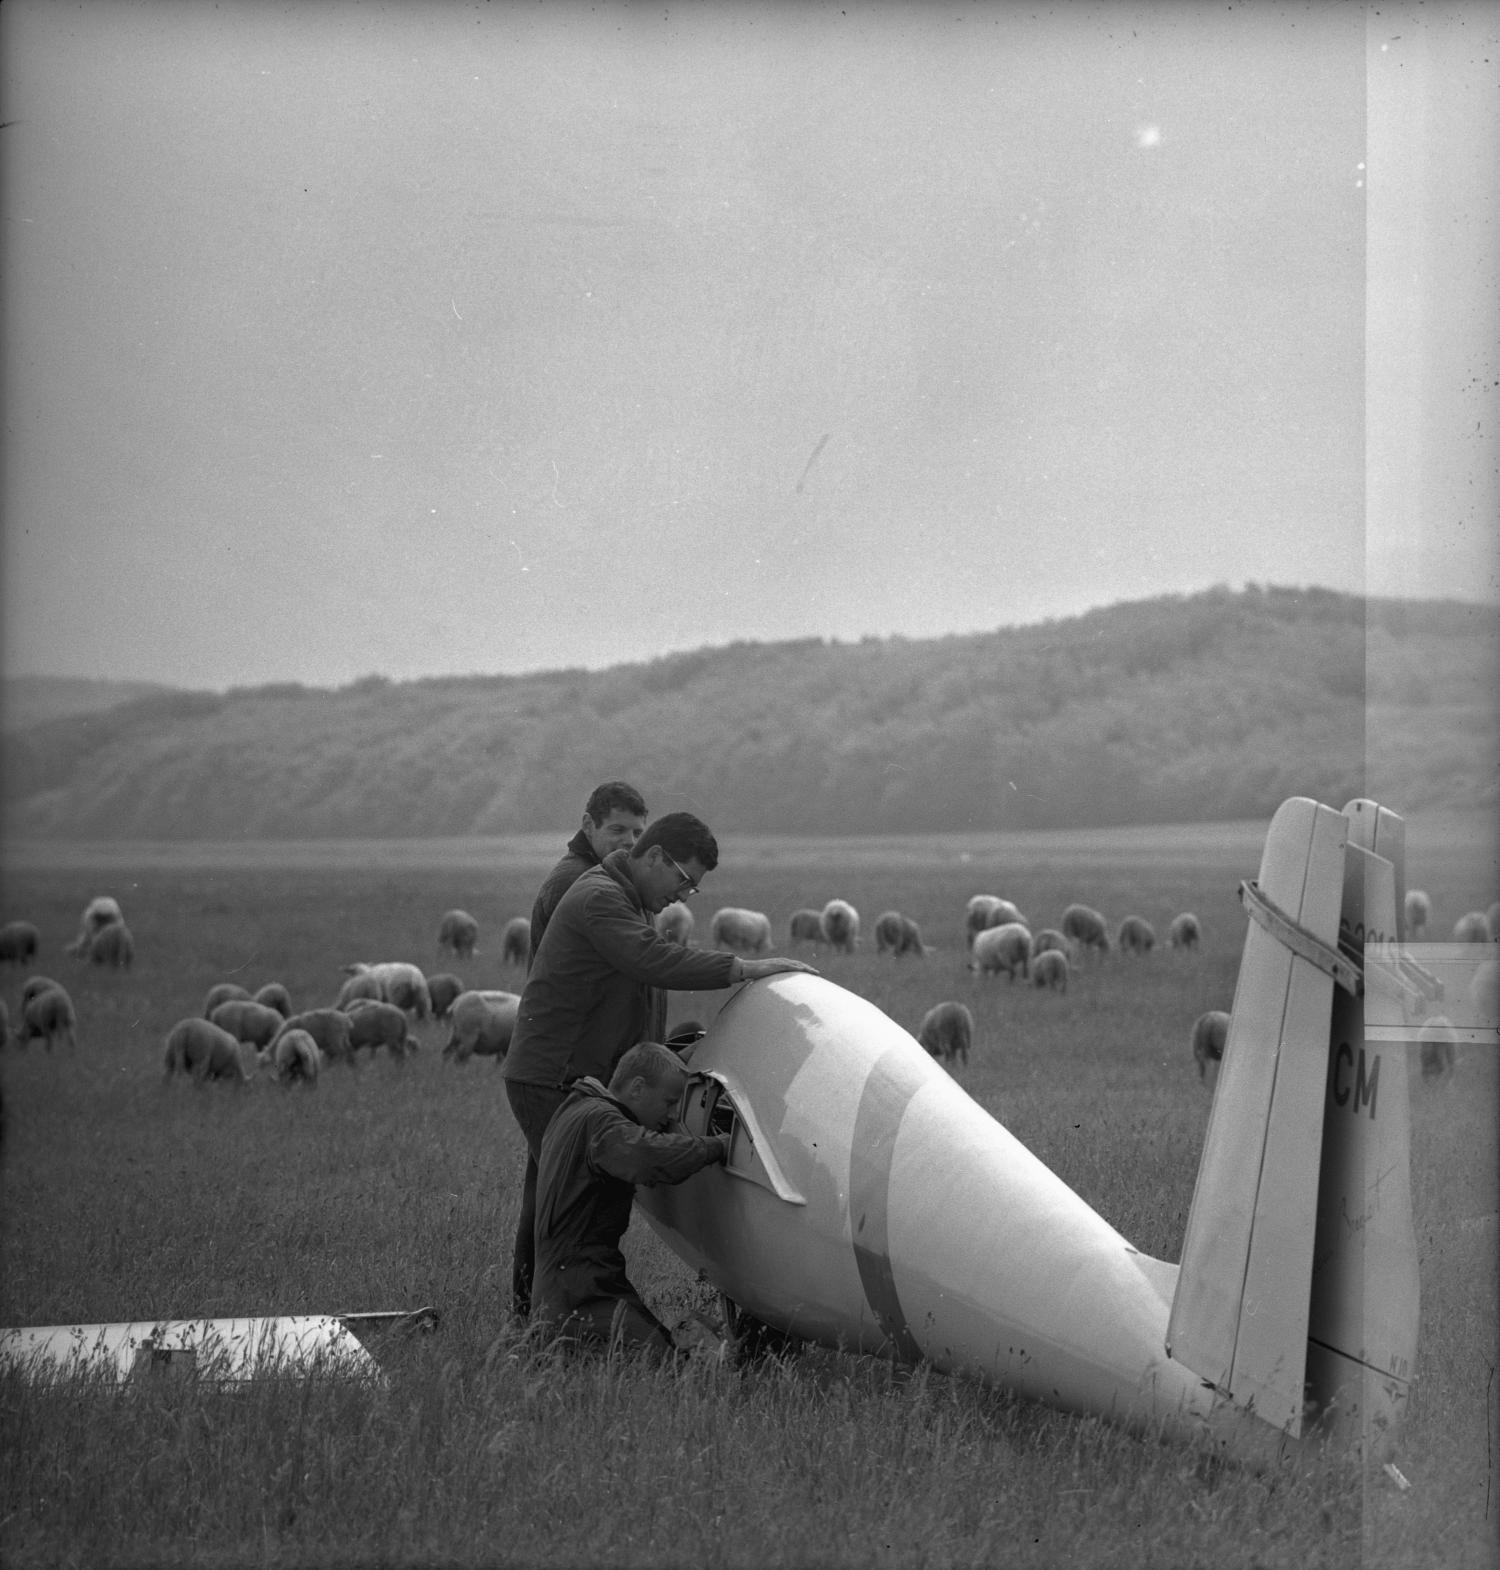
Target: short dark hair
[(647, 1060), (683, 837), (612, 796)]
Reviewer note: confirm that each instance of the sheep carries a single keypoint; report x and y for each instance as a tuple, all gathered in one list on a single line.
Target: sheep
[(1086, 927), (1006, 947), (19, 943), (1210, 1032), (360, 986), (1438, 1044), (675, 921), (989, 910), (223, 992), (840, 926), (254, 1023), (377, 1025), (275, 996), (1050, 969), (515, 942), (749, 931), (36, 985), (947, 1031), (328, 1027), (101, 911), (1136, 935), (1417, 911), (458, 931), (806, 926), (47, 1015), (400, 983), (481, 1022), (113, 946), (1184, 931), (1050, 938), (1471, 928), (898, 933), (295, 1055), (443, 988), (200, 1048)]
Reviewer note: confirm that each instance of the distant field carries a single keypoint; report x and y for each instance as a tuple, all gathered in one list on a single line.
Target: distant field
[(394, 1186)]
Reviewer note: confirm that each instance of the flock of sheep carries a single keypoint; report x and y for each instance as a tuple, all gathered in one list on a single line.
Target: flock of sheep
[(239, 1033)]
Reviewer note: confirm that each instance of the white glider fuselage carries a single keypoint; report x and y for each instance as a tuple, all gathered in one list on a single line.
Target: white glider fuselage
[(870, 1203)]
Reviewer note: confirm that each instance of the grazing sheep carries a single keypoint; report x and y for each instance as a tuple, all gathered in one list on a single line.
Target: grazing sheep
[(36, 985), (223, 992), (358, 987), (840, 926), (443, 988), (113, 946), (400, 983), (989, 910), (1210, 1032), (47, 1015), (1417, 910), (675, 921), (898, 933), (947, 1031), (515, 942), (19, 942), (1086, 927), (1184, 932), (1049, 939), (248, 1021), (1471, 928), (458, 931), (101, 911), (1050, 969), (328, 1027), (200, 1048), (377, 1025), (1136, 936), (1439, 1044), (275, 996), (481, 1022), (294, 1056), (748, 931), (806, 926), (1007, 948)]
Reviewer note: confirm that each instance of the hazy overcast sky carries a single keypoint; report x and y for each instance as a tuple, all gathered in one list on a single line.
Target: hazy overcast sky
[(427, 337)]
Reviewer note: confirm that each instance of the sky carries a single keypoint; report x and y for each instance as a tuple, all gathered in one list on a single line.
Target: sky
[(425, 338)]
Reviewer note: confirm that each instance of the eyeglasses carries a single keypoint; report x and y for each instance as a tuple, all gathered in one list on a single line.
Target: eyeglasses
[(690, 887)]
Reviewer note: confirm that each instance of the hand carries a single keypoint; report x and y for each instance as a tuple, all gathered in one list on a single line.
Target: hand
[(723, 1141), (755, 969)]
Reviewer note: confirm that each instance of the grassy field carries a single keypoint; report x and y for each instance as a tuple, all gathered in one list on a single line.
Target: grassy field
[(394, 1186)]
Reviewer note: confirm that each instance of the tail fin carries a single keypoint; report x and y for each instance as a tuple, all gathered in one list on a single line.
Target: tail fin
[(1298, 1287)]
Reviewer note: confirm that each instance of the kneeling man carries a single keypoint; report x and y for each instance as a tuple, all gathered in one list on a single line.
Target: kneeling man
[(599, 1145)]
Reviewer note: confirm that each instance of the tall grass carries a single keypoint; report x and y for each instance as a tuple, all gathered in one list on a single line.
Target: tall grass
[(394, 1186)]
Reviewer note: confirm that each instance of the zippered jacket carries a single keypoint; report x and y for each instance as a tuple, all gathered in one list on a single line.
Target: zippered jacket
[(593, 1154), (587, 999)]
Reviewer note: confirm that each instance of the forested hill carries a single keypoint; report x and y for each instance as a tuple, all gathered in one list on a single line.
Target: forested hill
[(1213, 706)]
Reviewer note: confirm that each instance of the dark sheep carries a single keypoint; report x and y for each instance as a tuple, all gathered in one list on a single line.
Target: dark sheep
[(443, 989), (897, 934), (806, 926), (1086, 927), (223, 992), (200, 1048), (362, 986), (377, 1025), (19, 943), (295, 1056), (515, 942), (275, 996), (248, 1021), (48, 1016), (113, 946), (1185, 932), (101, 911), (329, 1029), (458, 931), (1136, 936), (1210, 1032), (1050, 969), (947, 1032)]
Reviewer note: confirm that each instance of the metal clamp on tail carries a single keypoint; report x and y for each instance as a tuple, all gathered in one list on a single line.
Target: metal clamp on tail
[(1347, 973)]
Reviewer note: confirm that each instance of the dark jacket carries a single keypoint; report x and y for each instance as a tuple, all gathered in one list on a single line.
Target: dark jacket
[(578, 859), (588, 999), (593, 1155)]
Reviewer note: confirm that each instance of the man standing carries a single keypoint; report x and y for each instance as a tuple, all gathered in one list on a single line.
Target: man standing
[(601, 1143), (614, 817), (587, 998)]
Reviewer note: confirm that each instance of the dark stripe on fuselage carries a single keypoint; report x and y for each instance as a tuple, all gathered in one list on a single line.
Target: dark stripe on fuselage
[(894, 1080)]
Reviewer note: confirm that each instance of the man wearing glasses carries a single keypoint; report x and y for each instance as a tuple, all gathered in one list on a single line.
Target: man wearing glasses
[(587, 996)]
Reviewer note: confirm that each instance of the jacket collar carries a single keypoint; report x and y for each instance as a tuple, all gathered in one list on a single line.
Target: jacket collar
[(580, 845), (615, 865), (595, 1090)]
